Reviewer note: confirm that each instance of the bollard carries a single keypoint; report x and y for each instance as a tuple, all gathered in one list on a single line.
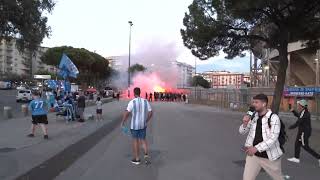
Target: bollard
[(24, 109), (7, 112)]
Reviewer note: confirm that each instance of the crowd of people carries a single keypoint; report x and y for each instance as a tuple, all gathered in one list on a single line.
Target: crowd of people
[(166, 96)]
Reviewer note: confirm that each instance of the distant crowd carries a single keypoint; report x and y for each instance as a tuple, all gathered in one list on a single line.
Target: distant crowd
[(166, 96)]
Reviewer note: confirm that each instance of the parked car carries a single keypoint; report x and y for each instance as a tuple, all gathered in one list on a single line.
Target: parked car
[(35, 88), (24, 95), (5, 85), (22, 87)]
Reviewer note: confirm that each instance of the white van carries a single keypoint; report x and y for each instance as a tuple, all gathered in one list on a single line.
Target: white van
[(24, 95)]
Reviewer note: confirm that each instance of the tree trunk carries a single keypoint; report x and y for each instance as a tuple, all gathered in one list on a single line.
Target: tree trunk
[(281, 77)]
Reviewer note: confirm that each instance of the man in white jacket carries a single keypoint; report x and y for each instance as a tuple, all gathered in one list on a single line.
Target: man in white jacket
[(262, 146)]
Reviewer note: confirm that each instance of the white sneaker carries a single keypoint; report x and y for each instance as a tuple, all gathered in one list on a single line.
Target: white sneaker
[(295, 160)]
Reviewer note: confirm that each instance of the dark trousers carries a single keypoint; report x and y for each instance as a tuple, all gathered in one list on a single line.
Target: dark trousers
[(302, 140)]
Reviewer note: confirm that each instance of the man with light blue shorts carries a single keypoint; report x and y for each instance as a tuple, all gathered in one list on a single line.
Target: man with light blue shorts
[(141, 112)]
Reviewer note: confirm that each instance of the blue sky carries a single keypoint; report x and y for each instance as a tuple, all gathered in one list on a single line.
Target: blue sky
[(102, 26)]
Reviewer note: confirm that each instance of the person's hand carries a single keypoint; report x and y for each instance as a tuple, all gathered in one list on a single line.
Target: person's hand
[(251, 150), (245, 120), (291, 109)]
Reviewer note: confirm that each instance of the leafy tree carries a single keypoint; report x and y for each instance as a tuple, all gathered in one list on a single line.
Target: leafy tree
[(234, 26), (137, 68), (200, 81), (25, 20), (92, 67)]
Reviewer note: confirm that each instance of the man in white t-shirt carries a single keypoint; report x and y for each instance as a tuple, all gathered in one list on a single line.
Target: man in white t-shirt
[(141, 112)]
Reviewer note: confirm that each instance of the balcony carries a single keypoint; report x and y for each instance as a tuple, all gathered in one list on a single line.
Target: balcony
[(9, 69), (26, 64), (26, 70), (9, 49), (9, 61)]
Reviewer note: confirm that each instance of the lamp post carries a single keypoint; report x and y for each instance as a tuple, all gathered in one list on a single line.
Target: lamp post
[(267, 69), (317, 68), (317, 81), (130, 27)]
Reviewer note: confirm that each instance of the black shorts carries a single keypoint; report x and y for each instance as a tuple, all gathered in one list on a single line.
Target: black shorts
[(39, 119), (99, 111)]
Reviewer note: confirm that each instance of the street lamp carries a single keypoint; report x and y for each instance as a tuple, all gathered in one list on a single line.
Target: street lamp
[(267, 69), (130, 24), (317, 68)]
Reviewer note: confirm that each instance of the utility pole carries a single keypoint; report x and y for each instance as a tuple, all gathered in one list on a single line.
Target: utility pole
[(129, 74)]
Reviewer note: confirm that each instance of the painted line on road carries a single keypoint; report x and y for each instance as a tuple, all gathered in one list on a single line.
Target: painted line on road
[(52, 167)]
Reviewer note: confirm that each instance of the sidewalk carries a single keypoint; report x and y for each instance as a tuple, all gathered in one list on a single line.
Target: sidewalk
[(19, 154)]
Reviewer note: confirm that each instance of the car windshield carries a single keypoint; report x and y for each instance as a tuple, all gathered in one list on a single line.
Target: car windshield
[(23, 91)]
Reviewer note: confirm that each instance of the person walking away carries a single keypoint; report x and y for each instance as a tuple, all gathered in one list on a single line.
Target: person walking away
[(99, 109), (146, 95), (262, 145), (118, 96), (141, 115), (184, 97), (39, 111), (150, 97), (304, 131), (81, 106)]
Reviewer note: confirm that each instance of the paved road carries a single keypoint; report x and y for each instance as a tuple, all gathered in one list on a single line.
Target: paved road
[(187, 142), (8, 98)]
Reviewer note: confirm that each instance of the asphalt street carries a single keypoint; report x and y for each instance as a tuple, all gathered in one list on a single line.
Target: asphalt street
[(8, 98), (187, 142)]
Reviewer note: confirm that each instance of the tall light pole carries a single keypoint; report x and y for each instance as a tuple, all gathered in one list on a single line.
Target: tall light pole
[(195, 77), (130, 26), (317, 68), (317, 81)]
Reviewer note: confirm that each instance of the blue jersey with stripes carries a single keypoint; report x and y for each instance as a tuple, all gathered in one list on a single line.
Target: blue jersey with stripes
[(139, 109)]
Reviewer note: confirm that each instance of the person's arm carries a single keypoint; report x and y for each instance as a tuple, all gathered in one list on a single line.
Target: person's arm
[(124, 117), (30, 106), (275, 131), (150, 113), (245, 126), (127, 113), (295, 113), (306, 115)]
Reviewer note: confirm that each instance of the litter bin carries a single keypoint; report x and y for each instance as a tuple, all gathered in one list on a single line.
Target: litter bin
[(7, 112), (24, 109)]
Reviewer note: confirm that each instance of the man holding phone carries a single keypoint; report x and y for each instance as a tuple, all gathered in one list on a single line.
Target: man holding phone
[(262, 146)]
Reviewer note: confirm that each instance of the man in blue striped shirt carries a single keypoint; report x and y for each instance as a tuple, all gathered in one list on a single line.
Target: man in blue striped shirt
[(141, 112)]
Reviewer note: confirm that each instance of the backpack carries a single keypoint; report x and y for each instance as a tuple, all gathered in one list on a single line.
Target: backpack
[(282, 135)]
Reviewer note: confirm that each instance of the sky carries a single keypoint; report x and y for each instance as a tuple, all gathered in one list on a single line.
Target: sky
[(102, 26)]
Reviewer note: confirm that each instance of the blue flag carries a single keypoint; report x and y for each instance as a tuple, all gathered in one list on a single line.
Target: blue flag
[(67, 68), (52, 84)]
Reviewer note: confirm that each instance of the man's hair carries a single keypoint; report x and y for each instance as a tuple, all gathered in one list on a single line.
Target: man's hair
[(98, 98), (137, 91), (35, 93), (261, 97)]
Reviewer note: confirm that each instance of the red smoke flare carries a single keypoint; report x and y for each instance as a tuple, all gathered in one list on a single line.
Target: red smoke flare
[(150, 83)]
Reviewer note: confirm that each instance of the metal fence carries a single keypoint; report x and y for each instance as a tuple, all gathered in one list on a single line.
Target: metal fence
[(240, 99), (235, 99)]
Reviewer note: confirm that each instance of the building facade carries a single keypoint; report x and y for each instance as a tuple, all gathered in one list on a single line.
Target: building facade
[(225, 79), (118, 62), (185, 73), (12, 61)]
